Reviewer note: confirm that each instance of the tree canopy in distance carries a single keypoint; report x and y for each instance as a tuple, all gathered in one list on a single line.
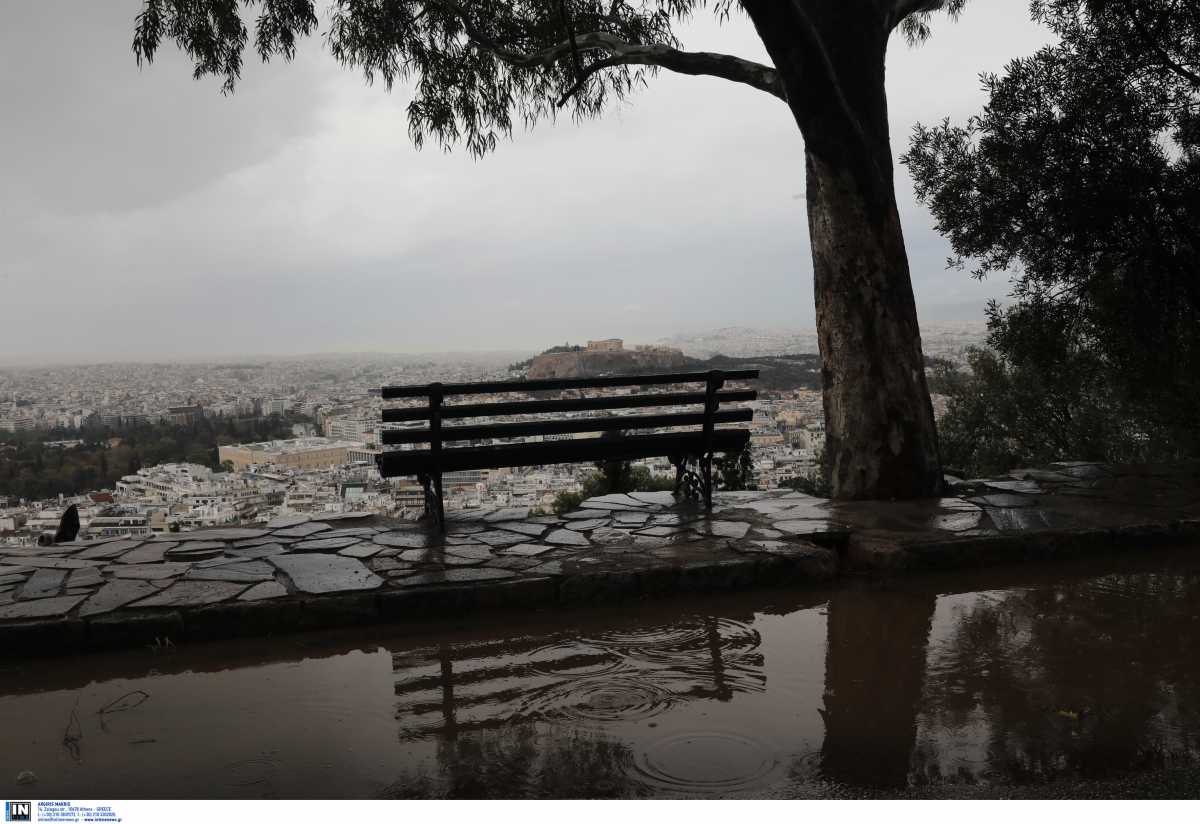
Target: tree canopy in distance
[(478, 67)]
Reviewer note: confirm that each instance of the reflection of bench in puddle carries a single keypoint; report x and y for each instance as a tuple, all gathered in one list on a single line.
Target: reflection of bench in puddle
[(621, 675)]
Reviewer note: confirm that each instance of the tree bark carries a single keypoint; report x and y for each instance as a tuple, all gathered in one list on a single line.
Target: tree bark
[(880, 434)]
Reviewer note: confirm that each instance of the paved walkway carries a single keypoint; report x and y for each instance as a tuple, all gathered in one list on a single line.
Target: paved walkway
[(301, 572)]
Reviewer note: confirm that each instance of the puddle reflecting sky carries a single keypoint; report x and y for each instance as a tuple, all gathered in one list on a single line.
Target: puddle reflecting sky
[(1014, 679)]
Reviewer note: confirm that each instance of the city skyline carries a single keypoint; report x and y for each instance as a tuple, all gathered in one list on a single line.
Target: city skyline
[(295, 215)]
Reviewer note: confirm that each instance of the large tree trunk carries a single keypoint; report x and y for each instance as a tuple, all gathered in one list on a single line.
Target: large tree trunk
[(880, 435)]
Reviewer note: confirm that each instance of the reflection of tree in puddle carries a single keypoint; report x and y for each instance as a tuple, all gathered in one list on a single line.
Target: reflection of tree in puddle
[(874, 665), (1078, 679), (523, 760)]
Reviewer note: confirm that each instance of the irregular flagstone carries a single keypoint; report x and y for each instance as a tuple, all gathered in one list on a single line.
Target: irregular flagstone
[(461, 561), (821, 526), (511, 514), (456, 576), (659, 498), (6, 596), (16, 569), (363, 549), (630, 518), (247, 572), (466, 529), (114, 595), (527, 550), (285, 521), (301, 530), (5, 580), (499, 538), (1024, 487), (54, 563), (148, 554), (1003, 500), (585, 515), (384, 565), (427, 555), (583, 526), (195, 551), (477, 552), (405, 539), (660, 531), (352, 532), (226, 534), (224, 560), (44, 583), (610, 535), (514, 562), (617, 498), (109, 550), (324, 544), (150, 572), (335, 517), (263, 591), (728, 529), (262, 551), (40, 608), (192, 594), (524, 528), (88, 577), (566, 537), (317, 574)]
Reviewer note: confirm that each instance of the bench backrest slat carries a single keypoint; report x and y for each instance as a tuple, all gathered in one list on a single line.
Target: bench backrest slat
[(480, 410), (493, 387), (564, 427)]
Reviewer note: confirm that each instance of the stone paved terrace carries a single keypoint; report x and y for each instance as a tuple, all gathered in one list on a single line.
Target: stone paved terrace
[(299, 572)]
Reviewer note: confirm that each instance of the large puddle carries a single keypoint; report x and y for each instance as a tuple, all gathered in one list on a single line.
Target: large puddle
[(1068, 678)]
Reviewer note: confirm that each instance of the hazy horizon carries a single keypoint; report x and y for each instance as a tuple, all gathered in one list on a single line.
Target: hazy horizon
[(149, 218)]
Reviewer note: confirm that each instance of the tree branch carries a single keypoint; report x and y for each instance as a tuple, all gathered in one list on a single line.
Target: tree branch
[(1150, 41), (728, 67)]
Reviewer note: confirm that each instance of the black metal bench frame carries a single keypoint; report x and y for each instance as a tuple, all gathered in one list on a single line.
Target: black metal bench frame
[(682, 448)]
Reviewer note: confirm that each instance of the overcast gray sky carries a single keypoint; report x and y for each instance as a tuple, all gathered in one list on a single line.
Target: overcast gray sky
[(144, 215)]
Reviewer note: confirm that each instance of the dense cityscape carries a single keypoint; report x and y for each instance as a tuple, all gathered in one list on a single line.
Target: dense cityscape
[(324, 418)]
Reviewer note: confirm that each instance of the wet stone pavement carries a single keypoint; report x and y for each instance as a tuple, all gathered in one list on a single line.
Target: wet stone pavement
[(304, 572)]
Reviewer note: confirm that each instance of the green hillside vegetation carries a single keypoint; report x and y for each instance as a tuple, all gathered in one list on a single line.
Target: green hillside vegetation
[(30, 470)]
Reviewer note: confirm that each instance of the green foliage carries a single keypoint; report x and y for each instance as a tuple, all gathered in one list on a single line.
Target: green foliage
[(473, 66), (30, 470), (817, 485), (1082, 176), (625, 478), (735, 471), (1004, 414)]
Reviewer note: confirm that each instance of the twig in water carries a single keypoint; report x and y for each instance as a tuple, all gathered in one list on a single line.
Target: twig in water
[(73, 734), (119, 704)]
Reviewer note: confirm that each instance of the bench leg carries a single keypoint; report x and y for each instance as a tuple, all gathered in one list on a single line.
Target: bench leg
[(706, 470), (432, 485), (680, 464), (441, 510)]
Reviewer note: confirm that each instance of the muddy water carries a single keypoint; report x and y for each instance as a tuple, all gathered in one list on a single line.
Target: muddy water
[(1067, 679)]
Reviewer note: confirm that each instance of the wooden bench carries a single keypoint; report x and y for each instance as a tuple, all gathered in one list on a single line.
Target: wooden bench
[(683, 448)]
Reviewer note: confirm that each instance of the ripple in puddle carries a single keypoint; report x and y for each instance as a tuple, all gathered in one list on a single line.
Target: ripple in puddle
[(573, 659), (599, 700), (673, 643), (706, 763)]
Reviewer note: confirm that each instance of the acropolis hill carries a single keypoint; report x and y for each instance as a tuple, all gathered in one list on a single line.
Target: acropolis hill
[(609, 356)]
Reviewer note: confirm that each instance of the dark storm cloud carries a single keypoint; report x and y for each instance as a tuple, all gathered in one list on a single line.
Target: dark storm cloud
[(165, 219)]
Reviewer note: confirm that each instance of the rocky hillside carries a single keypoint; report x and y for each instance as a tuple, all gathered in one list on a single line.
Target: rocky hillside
[(584, 364)]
